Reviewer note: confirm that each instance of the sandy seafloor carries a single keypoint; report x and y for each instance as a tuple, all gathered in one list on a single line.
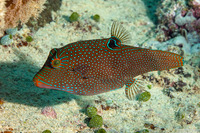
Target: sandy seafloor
[(23, 102)]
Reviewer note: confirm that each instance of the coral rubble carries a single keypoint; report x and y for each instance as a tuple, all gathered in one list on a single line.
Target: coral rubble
[(14, 11), (177, 18)]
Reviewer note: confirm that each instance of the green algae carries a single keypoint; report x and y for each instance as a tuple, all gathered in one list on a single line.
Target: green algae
[(96, 121), (149, 86), (143, 131), (180, 115), (46, 131), (145, 96), (29, 39), (96, 18), (74, 17), (91, 111), (101, 131)]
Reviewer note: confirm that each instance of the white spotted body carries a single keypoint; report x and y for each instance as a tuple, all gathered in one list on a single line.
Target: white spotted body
[(96, 66)]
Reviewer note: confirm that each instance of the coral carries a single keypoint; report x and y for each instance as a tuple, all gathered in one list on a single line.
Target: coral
[(11, 31), (96, 121), (179, 28), (15, 38), (46, 16), (91, 111), (6, 40), (145, 96), (2, 14), (195, 4), (182, 42), (96, 18), (195, 48), (14, 11), (49, 112), (74, 17), (178, 18), (187, 19)]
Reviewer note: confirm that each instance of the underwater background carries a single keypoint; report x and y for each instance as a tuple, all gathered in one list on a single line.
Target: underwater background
[(30, 29)]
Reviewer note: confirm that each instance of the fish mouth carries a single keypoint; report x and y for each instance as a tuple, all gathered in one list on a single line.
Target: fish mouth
[(39, 83)]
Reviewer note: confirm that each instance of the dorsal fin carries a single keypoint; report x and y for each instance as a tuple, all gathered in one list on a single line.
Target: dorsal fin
[(119, 32)]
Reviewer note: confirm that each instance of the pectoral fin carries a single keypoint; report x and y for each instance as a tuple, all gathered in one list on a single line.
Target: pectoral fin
[(134, 87)]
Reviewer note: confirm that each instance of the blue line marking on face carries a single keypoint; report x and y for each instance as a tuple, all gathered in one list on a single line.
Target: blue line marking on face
[(44, 82)]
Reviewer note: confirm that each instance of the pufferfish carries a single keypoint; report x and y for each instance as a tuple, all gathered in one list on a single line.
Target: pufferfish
[(96, 66)]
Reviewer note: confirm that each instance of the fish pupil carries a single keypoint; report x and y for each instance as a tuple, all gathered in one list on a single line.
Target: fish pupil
[(56, 63), (112, 44)]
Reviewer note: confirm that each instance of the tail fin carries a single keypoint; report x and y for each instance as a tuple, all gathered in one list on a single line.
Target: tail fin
[(161, 60), (146, 60)]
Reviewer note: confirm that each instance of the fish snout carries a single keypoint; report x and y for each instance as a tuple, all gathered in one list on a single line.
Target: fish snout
[(39, 83), (36, 81)]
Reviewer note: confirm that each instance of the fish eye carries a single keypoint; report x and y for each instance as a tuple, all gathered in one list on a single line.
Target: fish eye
[(55, 63), (112, 44)]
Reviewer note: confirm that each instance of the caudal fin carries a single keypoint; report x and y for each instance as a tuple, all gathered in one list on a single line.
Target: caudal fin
[(162, 60), (146, 60)]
